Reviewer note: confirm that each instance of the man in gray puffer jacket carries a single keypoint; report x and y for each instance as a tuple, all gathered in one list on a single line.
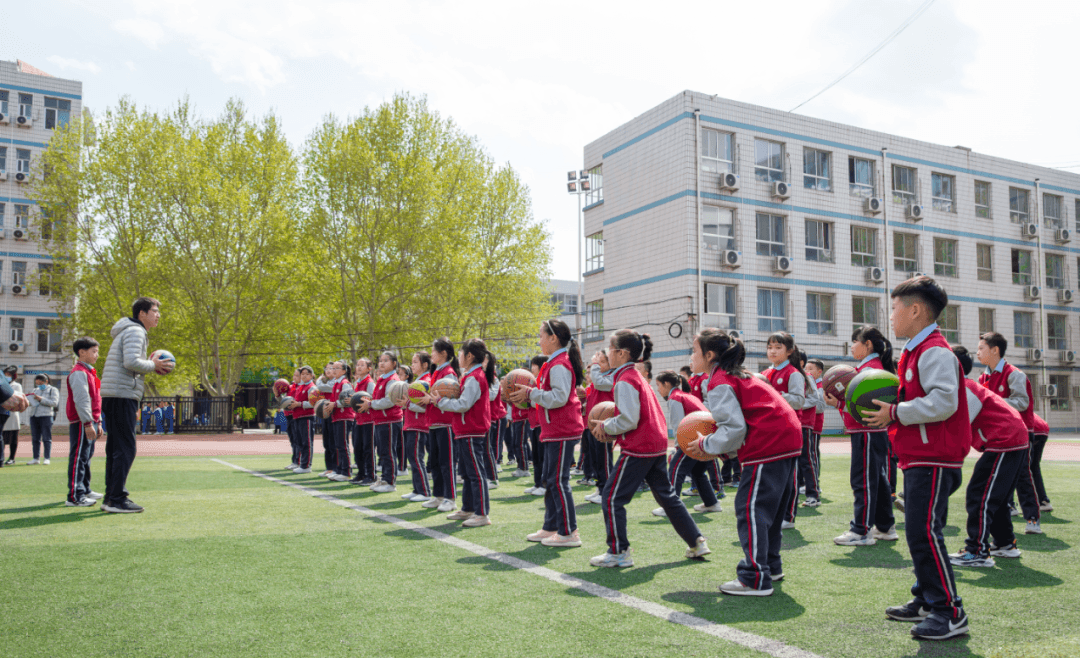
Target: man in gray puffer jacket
[(121, 389)]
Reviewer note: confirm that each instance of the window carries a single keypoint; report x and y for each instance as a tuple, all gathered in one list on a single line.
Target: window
[(864, 312), (1057, 337), (984, 261), (819, 241), (22, 216), (26, 105), (594, 252), (945, 257), (986, 320), (943, 192), (905, 252), (1021, 267), (863, 246), (44, 278), (1060, 402), (3, 159), (819, 314), (18, 273), (816, 168), (46, 223), (903, 185), (770, 309), (48, 336), (768, 161), (1055, 271), (1, 216), (1076, 214), (17, 326), (1023, 329), (3, 101), (1018, 206), (716, 151), (770, 235), (982, 200), (594, 320), (861, 177), (57, 112), (22, 161), (718, 227), (949, 323), (1052, 211), (596, 186), (720, 306)]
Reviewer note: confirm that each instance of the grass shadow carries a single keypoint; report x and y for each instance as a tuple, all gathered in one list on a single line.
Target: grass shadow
[(619, 578), (879, 556), (1044, 544), (40, 521), (1047, 518), (35, 508), (1011, 575), (724, 609), (792, 539)]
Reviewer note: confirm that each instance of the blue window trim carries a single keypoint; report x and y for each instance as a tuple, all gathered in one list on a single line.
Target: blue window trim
[(43, 92), (17, 142)]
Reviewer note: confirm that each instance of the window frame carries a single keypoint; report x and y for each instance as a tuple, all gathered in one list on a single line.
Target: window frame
[(22, 216), (727, 296), (1023, 340), (719, 237), (26, 105), (815, 179), (904, 197), (984, 271), (594, 320), (769, 174), (1058, 202), (865, 259), (22, 164), (820, 304), (951, 333), (1060, 402), (1020, 278), (946, 268), (861, 190), (771, 323), (771, 246), (983, 211), (594, 252), (943, 192), (986, 313), (1055, 276), (45, 328), (595, 193), (707, 142), (17, 329), (823, 232), (905, 257), (1057, 331), (1016, 215), (863, 304), (44, 278), (18, 274)]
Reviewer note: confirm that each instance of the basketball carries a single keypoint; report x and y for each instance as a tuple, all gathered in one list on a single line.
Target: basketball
[(345, 394), (836, 380), (870, 385), (314, 395), (512, 379), (286, 401), (323, 409), (602, 411), (691, 425), (357, 399), (762, 377), (281, 386), (417, 390), (447, 388), (397, 391), (164, 355)]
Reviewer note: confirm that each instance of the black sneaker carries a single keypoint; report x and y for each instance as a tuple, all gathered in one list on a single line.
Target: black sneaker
[(910, 611), (366, 482), (124, 506), (941, 627), (356, 480)]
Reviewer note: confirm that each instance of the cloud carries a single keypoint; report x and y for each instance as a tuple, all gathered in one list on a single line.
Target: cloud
[(130, 65), (66, 63), (149, 32)]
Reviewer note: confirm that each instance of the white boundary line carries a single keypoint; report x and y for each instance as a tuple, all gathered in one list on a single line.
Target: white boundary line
[(763, 644)]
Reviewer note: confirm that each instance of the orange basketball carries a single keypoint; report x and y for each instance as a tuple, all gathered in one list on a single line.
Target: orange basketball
[(447, 388), (602, 411), (314, 395), (692, 424), (512, 379)]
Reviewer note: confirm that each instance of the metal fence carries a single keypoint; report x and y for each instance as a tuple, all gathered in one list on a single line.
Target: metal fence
[(189, 414)]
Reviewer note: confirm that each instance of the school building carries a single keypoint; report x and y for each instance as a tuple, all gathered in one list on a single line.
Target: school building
[(705, 211)]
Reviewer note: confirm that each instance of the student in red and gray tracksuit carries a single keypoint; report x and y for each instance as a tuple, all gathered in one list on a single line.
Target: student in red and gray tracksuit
[(719, 475), (808, 465), (681, 402), (519, 437), (325, 387), (818, 369), (997, 431), (638, 427), (303, 419), (291, 392), (444, 365), (416, 433), (341, 420), (754, 421), (386, 419), (790, 382), (559, 412), (1008, 381), (471, 412), (84, 421), (495, 433), (363, 434), (601, 383), (536, 452), (1038, 443)]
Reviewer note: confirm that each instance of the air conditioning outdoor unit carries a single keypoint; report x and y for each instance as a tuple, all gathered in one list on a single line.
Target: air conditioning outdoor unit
[(1032, 292), (875, 274), (1065, 296), (1068, 356), (3, 118), (1049, 390), (22, 177), (872, 205), (914, 211), (16, 348), (731, 258), (20, 234), (1076, 392), (729, 182), (3, 176), (1029, 231), (736, 333), (24, 122), (781, 190), (1062, 235), (915, 275), (19, 289), (1034, 354), (782, 264)]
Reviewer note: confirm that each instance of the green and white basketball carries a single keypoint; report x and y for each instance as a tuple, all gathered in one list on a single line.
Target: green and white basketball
[(867, 386)]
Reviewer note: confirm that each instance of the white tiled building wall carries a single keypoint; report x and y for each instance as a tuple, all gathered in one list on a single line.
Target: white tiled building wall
[(648, 222)]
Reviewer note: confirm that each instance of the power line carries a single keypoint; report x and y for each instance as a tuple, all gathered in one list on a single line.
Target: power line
[(887, 41)]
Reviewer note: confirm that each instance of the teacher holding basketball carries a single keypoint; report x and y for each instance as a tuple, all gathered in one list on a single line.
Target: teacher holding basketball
[(121, 389)]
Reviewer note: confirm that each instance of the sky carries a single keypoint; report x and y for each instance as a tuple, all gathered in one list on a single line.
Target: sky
[(534, 82)]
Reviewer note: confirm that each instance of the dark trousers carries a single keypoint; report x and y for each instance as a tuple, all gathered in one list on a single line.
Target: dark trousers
[(364, 451), (508, 439), (491, 445), (870, 482), (303, 430), (1025, 486), (793, 484), (11, 438), (329, 451), (585, 462), (1038, 444), (499, 437), (731, 471), (415, 447), (680, 466), (559, 513), (340, 433), (894, 463), (474, 492), (602, 458), (817, 460), (536, 452), (444, 473), (987, 500), (627, 475), (293, 445), (397, 437), (712, 469), (119, 415), (519, 445), (760, 505), (926, 504), (807, 466), (384, 446), (41, 432), (81, 449)]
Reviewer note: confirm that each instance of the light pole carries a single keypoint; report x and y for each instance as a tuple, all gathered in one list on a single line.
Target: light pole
[(578, 183)]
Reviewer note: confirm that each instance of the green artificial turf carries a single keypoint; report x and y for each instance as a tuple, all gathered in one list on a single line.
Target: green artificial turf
[(226, 564)]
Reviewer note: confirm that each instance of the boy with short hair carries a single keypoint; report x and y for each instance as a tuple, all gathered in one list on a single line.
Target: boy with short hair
[(815, 370), (84, 421), (933, 435)]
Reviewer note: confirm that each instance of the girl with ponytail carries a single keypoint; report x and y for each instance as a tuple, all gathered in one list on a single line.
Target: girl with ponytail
[(386, 420), (493, 454), (444, 365), (758, 425), (787, 377), (674, 388), (561, 425), (873, 518), (599, 390), (416, 434), (471, 412), (638, 428)]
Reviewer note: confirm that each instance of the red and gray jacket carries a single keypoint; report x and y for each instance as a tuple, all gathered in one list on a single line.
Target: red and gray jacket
[(697, 385), (558, 407), (436, 416), (498, 407), (791, 385), (300, 394), (415, 415), (995, 426), (1011, 383), (366, 383), (599, 388), (84, 394), (851, 424), (934, 429), (342, 411), (752, 420), (680, 404), (383, 410), (1041, 427), (471, 410), (639, 421), (516, 415), (819, 411), (291, 392)]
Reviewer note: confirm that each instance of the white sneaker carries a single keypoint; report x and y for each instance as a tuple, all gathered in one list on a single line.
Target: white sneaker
[(459, 515), (802, 491), (736, 588), (594, 498), (338, 477), (46, 461), (447, 505), (432, 503), (93, 495), (613, 560), (475, 521), (385, 488), (700, 549), (659, 511), (849, 538), (540, 535), (811, 502), (538, 491), (408, 496), (32, 462), (302, 470), (1045, 506), (402, 473), (376, 483), (519, 473), (529, 490), (573, 540), (888, 535), (787, 525), (702, 507), (460, 480), (419, 498), (492, 484), (576, 471), (292, 467), (1033, 528), (1015, 511)]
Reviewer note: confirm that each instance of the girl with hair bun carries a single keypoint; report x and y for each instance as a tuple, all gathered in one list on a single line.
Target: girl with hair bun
[(674, 388), (638, 426), (444, 365), (416, 434)]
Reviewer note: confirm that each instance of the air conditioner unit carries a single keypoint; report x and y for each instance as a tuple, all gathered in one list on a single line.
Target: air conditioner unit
[(1068, 356), (731, 258), (22, 177), (1062, 235), (915, 275), (20, 234), (3, 233), (782, 264), (1034, 354), (1049, 390), (1065, 296), (729, 181), (1032, 292), (781, 190), (19, 289), (16, 348), (875, 274), (24, 122), (3, 176), (736, 333), (1076, 392), (3, 118), (872, 205), (1029, 231), (914, 211)]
